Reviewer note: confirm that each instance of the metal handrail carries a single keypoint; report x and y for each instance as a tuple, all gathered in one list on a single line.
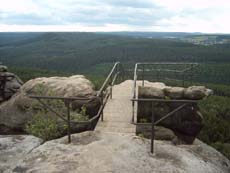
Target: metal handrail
[(165, 101), (192, 65), (59, 97), (135, 99), (109, 82)]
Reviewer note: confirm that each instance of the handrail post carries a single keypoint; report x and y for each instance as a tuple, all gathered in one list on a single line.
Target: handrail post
[(68, 118), (153, 131), (133, 112), (111, 88), (102, 102), (143, 71), (104, 85), (111, 91), (134, 91)]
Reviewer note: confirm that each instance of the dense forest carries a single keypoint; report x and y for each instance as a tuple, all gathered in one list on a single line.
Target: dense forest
[(74, 52), (33, 55)]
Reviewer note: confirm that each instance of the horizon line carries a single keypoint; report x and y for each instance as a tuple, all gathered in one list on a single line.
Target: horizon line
[(129, 31)]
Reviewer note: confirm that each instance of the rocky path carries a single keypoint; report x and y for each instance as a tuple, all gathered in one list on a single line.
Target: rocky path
[(118, 110)]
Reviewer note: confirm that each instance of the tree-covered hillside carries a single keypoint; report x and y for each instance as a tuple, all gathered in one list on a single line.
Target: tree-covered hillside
[(73, 52)]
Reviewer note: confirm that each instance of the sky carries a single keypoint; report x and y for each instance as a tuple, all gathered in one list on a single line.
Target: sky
[(208, 16)]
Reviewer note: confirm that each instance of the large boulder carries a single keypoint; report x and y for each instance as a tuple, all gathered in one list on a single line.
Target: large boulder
[(15, 112), (73, 86), (185, 123)]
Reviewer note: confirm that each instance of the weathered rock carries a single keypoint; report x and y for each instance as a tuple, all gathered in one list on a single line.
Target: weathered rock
[(174, 92), (95, 152), (73, 86), (144, 111), (13, 148), (159, 85), (150, 92), (15, 112), (92, 106), (161, 133), (185, 123), (11, 116), (3, 68), (197, 92), (11, 83)]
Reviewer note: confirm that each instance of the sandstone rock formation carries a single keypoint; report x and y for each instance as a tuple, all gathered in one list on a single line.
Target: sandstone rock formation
[(15, 112), (13, 148), (95, 152), (174, 92), (73, 86), (9, 84), (196, 92), (161, 133), (185, 123), (151, 92)]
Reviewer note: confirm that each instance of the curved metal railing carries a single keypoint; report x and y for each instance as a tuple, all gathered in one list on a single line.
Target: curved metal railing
[(116, 72), (190, 68), (111, 78), (184, 103), (106, 89)]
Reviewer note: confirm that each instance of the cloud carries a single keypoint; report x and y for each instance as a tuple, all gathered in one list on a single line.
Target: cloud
[(129, 3), (144, 15)]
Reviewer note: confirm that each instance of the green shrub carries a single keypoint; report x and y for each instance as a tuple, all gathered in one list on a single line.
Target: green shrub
[(216, 131), (223, 148), (79, 116), (43, 126), (46, 124), (42, 90), (143, 120)]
